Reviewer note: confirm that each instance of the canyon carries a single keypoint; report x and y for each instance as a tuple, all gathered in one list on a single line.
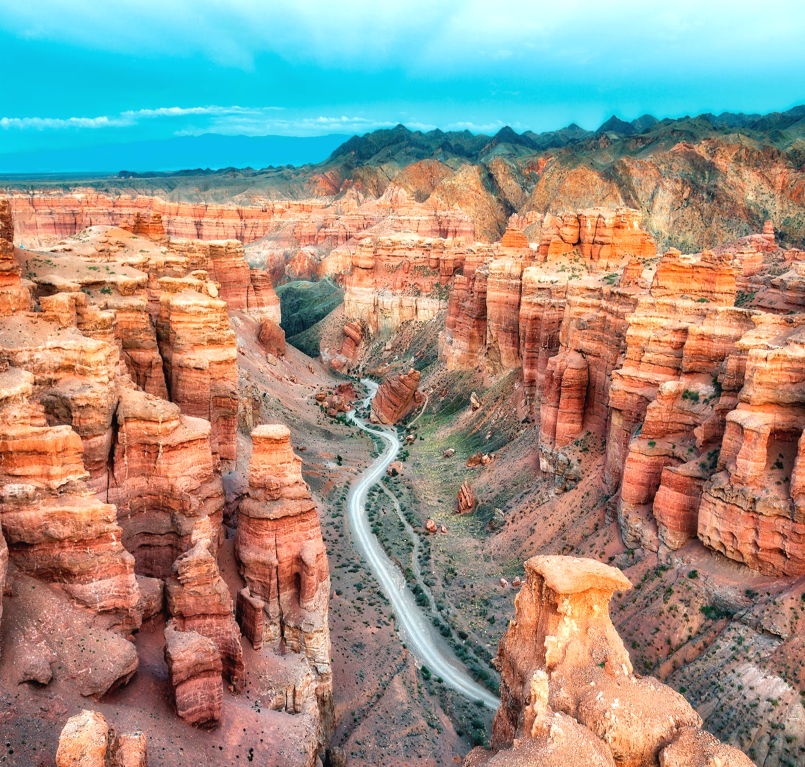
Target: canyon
[(599, 464)]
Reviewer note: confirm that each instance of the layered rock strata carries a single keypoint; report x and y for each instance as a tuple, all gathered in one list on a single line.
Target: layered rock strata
[(396, 398), (601, 235), (164, 482), (194, 666), (282, 558), (74, 377), (400, 278), (55, 527), (14, 297), (199, 350), (199, 601), (565, 670)]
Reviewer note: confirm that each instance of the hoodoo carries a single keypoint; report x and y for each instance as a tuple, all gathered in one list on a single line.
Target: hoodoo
[(282, 558), (568, 692)]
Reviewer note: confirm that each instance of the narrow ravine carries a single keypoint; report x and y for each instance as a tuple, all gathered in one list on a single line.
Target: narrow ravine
[(422, 639)]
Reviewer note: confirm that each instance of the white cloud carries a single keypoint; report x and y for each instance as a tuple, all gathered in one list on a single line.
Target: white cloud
[(56, 123)]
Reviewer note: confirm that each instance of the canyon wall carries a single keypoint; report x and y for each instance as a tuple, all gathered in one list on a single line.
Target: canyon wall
[(118, 409), (698, 399), (41, 218)]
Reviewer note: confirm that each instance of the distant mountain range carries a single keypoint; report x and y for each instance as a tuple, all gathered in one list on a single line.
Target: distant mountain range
[(208, 151), (699, 181)]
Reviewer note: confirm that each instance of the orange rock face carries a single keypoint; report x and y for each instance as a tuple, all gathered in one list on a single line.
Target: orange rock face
[(165, 485), (199, 601), (399, 278), (503, 313), (74, 378), (282, 558), (42, 217), (745, 514), (463, 343), (56, 529), (601, 235), (146, 226), (396, 397), (199, 350), (194, 665), (88, 740), (13, 296), (564, 668), (272, 338), (262, 301)]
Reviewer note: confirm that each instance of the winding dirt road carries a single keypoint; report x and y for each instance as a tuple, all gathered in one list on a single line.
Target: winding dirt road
[(421, 637)]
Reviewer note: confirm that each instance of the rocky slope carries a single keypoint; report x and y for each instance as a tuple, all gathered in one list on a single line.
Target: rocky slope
[(698, 182)]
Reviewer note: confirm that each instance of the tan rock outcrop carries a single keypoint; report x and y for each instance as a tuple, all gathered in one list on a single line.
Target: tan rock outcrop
[(696, 748), (282, 558), (396, 397), (164, 482), (567, 681), (88, 740), (194, 666)]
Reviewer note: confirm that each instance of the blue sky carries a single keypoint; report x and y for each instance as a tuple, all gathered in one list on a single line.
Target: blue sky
[(87, 72)]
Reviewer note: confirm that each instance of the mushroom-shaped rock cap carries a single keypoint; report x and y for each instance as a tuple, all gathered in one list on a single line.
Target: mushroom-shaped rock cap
[(145, 407), (273, 432), (572, 575)]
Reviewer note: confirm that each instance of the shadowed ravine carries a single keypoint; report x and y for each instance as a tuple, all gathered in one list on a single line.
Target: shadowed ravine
[(414, 624)]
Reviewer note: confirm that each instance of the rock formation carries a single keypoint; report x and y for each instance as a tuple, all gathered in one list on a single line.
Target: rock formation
[(466, 499), (262, 301), (164, 482), (568, 694), (194, 665), (14, 297), (396, 397), (282, 558), (200, 355), (348, 353), (399, 278), (199, 601), (88, 740), (55, 527), (272, 337), (600, 235)]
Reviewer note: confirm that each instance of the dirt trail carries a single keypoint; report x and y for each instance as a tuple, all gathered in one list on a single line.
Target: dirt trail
[(422, 639)]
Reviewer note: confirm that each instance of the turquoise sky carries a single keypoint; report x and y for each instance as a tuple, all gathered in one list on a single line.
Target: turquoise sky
[(87, 72)]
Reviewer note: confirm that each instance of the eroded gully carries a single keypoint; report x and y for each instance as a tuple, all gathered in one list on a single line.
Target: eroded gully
[(423, 641)]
